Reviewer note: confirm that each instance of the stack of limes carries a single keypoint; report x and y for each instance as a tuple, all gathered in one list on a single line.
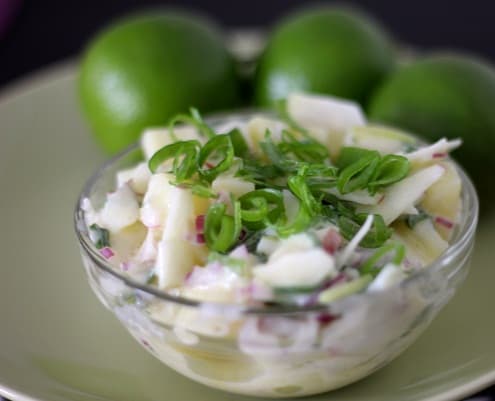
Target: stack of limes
[(144, 69)]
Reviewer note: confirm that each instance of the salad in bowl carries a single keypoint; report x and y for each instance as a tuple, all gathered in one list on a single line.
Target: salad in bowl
[(281, 255)]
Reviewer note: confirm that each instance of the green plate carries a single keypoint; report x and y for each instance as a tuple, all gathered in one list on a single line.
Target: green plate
[(57, 343)]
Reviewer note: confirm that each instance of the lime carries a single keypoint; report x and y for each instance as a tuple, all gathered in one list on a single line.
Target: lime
[(445, 95), (144, 69), (340, 52)]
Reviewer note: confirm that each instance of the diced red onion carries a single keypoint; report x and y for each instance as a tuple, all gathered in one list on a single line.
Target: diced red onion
[(326, 318), (439, 155), (200, 223), (444, 222), (200, 238), (332, 241), (106, 252)]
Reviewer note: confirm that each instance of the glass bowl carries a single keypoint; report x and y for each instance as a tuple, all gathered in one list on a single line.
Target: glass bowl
[(275, 351)]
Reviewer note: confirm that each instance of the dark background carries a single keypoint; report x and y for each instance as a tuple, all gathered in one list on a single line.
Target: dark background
[(46, 31)]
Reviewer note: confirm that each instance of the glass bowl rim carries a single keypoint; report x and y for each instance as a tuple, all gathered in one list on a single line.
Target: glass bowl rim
[(466, 231)]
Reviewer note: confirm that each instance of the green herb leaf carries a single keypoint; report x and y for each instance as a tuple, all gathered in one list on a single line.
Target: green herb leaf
[(100, 236), (392, 168), (357, 167)]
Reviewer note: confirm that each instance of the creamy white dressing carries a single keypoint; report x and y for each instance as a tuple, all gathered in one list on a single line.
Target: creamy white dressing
[(156, 235)]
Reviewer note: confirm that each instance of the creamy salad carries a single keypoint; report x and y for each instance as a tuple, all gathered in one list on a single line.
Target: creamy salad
[(304, 209)]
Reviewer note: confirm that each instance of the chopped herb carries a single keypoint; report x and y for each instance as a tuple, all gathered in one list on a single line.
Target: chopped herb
[(100, 236), (413, 219)]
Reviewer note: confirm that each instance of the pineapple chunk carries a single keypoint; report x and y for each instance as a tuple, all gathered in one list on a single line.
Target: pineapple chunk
[(297, 269), (231, 185), (361, 196), (401, 196), (256, 130), (176, 254), (126, 242), (175, 259), (432, 153), (120, 210), (389, 276), (422, 242), (383, 139), (155, 203), (153, 139), (443, 199), (293, 244), (137, 178), (327, 118)]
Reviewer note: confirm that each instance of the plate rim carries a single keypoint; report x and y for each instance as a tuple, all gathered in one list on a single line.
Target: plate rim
[(66, 69)]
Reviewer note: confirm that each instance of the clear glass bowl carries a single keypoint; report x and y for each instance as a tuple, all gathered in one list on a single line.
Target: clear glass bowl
[(275, 351)]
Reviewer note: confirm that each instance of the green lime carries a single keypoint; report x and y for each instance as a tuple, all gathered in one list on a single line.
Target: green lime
[(445, 96), (144, 69), (340, 52)]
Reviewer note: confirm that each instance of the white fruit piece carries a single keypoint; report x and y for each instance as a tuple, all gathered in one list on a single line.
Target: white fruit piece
[(422, 242), (121, 209), (176, 252), (361, 196), (301, 269), (295, 243), (267, 245), (375, 137), (432, 153), (126, 242), (327, 118), (137, 178), (404, 194), (257, 128), (153, 139), (156, 200), (231, 185), (389, 275), (443, 200)]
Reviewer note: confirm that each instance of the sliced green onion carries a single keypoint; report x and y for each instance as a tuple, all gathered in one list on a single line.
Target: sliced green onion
[(195, 119), (222, 231), (369, 267), (300, 223), (241, 148), (219, 153), (184, 154), (262, 207)]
